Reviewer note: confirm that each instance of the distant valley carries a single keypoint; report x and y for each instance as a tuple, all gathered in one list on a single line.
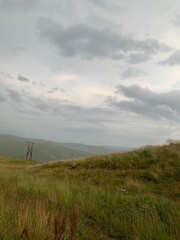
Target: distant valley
[(46, 151)]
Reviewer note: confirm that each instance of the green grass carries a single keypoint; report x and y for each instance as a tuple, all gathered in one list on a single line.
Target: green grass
[(128, 196)]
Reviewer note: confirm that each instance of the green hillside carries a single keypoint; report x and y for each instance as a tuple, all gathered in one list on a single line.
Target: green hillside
[(96, 149), (125, 196), (45, 151)]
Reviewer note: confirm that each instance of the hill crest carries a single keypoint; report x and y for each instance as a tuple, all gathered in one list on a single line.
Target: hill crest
[(45, 151)]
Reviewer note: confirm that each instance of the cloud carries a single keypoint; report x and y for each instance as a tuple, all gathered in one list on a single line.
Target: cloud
[(2, 99), (7, 75), (56, 89), (88, 42), (26, 103), (136, 58), (19, 77), (66, 77), (173, 59), (16, 50), (176, 19), (132, 72), (95, 125), (65, 109), (18, 4), (41, 105), (22, 79), (147, 103), (14, 95), (108, 5)]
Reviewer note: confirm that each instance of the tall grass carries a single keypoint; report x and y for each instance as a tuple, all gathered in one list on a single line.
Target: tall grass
[(129, 196)]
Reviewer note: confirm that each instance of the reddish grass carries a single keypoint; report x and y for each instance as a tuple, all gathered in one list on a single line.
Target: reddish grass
[(56, 226), (73, 225), (59, 227), (24, 233)]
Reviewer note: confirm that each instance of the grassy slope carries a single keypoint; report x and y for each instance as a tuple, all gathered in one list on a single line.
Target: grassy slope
[(120, 196), (45, 151)]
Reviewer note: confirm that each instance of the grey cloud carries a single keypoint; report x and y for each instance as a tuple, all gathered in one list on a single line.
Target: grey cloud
[(19, 49), (25, 103), (30, 105), (22, 102), (136, 58), (16, 50), (75, 123), (132, 72), (41, 105), (19, 77), (18, 4), (2, 99), (176, 19), (14, 96), (7, 75), (100, 2), (23, 79), (56, 89), (170, 99), (173, 59), (108, 5), (89, 42), (62, 108), (148, 103), (147, 110)]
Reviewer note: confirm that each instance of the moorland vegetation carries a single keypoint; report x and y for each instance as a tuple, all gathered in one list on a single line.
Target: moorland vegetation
[(129, 196)]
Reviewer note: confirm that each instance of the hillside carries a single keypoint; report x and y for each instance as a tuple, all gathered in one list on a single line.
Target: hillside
[(45, 151), (125, 196), (96, 149)]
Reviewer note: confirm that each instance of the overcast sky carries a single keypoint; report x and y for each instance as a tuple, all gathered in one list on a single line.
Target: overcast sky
[(102, 72)]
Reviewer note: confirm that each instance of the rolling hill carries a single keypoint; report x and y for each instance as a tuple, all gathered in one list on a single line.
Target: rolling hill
[(45, 151)]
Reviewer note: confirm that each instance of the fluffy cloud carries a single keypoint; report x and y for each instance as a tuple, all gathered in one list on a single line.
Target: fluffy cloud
[(145, 102), (173, 59), (89, 42), (26, 103), (23, 79)]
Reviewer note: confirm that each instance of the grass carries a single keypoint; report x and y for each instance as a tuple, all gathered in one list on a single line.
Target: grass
[(128, 196)]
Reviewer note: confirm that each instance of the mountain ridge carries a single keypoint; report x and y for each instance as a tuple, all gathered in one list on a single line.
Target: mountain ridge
[(46, 150)]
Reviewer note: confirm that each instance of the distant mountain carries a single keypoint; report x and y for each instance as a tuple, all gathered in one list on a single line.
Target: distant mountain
[(45, 151), (96, 149)]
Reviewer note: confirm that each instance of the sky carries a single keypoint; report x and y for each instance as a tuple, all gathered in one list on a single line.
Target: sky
[(99, 72)]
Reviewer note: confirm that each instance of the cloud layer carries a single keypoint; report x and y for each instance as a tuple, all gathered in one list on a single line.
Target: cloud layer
[(86, 42), (61, 63), (145, 102)]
